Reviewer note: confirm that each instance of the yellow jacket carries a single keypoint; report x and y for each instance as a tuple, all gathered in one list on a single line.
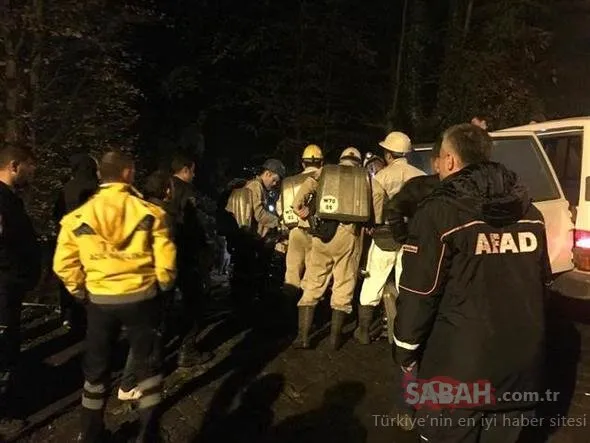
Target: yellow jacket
[(116, 248)]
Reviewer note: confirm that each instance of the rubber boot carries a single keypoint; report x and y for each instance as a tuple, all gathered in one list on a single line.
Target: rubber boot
[(338, 318), (305, 322), (361, 333), (148, 426)]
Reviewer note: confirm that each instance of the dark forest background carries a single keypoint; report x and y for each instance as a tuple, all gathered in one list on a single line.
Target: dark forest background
[(233, 81)]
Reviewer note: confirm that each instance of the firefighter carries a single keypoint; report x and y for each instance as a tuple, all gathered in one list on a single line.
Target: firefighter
[(336, 251), (472, 292), (116, 254), (381, 258), (82, 186), (20, 258), (192, 244), (299, 236)]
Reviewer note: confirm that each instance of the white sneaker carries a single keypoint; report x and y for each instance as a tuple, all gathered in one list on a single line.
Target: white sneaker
[(133, 394)]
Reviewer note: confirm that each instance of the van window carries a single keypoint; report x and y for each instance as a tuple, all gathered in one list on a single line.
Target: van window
[(521, 155), (565, 153), (421, 160)]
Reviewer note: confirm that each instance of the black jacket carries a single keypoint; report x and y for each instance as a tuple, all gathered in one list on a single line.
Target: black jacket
[(475, 272), (404, 204), (80, 188), (20, 255), (189, 227)]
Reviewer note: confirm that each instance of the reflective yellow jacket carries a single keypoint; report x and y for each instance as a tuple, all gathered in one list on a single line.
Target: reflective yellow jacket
[(116, 248)]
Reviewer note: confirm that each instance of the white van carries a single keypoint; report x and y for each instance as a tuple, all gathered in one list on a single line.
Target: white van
[(551, 160)]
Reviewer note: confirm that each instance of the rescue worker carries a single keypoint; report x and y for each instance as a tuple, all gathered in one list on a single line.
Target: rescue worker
[(273, 171), (471, 303), (82, 186), (299, 247), (115, 252), (380, 261), (251, 256), (336, 252), (192, 244), (20, 258)]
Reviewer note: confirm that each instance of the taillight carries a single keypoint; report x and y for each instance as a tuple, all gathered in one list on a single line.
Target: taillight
[(582, 250)]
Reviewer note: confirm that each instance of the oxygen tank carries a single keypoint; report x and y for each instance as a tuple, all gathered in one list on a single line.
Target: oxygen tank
[(344, 194), (240, 206), (289, 191)]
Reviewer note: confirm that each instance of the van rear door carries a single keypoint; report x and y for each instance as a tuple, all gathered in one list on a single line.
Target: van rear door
[(522, 152)]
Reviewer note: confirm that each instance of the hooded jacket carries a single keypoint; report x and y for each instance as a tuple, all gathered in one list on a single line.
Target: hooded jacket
[(475, 271), (80, 188), (399, 210), (116, 248)]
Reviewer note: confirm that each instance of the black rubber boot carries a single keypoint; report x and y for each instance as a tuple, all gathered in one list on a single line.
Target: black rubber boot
[(149, 426), (338, 318), (361, 333), (305, 322)]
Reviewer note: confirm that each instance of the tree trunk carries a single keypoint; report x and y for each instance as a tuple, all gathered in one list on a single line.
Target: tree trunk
[(467, 23), (398, 69), (36, 65), (12, 133)]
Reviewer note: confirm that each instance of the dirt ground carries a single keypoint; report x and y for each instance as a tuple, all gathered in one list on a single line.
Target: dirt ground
[(260, 389)]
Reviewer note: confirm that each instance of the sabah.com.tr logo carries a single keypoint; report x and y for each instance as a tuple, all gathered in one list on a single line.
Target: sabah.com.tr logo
[(445, 392)]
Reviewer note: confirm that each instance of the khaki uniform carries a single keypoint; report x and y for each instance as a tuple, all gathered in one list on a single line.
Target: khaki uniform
[(299, 249), (338, 258), (265, 220), (380, 263)]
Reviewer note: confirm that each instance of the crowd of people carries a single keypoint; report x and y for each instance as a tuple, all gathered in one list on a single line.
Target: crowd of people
[(458, 259)]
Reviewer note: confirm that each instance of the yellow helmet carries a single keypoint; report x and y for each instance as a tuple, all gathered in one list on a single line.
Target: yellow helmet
[(312, 152)]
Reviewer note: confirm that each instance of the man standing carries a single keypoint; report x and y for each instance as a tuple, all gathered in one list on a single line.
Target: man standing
[(116, 253), (299, 236), (192, 244), (249, 208), (471, 302), (336, 251), (20, 257), (380, 262)]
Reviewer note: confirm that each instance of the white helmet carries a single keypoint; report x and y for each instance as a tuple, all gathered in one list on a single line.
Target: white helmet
[(351, 153), (397, 142)]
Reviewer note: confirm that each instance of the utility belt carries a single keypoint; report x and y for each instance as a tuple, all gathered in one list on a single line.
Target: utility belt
[(325, 230)]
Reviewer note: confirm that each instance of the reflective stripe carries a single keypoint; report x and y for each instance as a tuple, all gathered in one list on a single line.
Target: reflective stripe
[(96, 389), (423, 438), (147, 401), (149, 383), (404, 345), (92, 403)]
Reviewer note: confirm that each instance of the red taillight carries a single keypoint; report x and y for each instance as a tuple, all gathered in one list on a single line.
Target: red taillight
[(582, 250)]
